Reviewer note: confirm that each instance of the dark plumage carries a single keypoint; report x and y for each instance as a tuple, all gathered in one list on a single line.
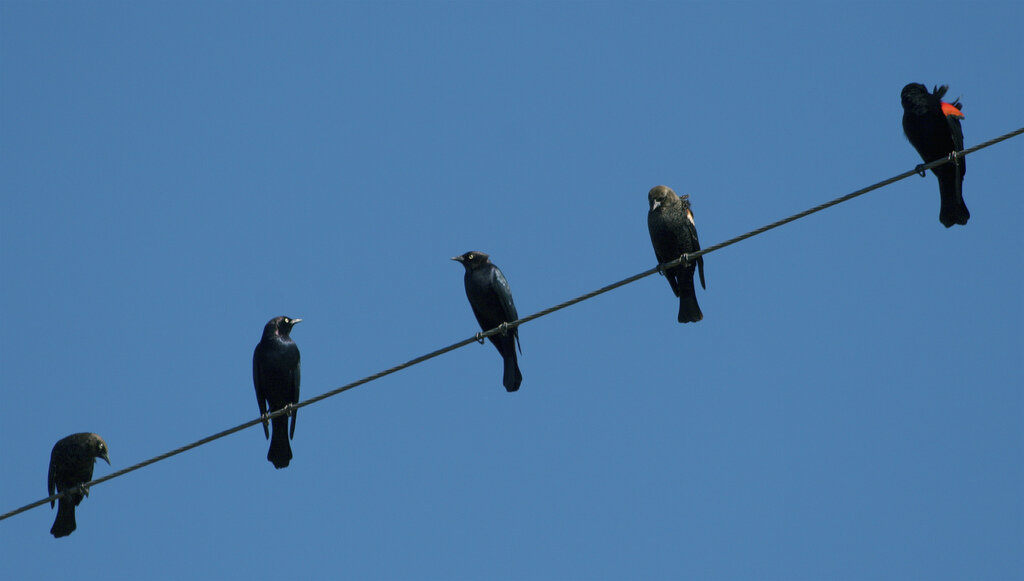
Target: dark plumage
[(933, 128), (71, 464), (673, 233), (491, 299), (276, 374)]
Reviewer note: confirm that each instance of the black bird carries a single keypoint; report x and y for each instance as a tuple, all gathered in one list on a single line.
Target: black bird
[(491, 299), (933, 128), (71, 463), (276, 374), (673, 233)]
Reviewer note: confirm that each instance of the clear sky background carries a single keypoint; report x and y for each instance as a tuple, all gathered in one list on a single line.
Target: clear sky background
[(174, 174)]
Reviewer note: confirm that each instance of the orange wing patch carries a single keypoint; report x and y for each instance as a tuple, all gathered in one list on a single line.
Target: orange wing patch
[(951, 111)]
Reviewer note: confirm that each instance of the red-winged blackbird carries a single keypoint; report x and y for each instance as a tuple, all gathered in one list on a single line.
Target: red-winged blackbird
[(933, 128), (491, 298), (276, 373), (71, 463), (673, 233)]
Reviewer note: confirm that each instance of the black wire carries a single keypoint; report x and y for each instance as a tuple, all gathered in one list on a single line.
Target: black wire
[(690, 257)]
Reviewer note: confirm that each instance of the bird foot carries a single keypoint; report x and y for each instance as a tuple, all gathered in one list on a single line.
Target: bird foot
[(81, 489), (920, 170), (479, 338), (661, 269), (955, 156), (686, 259), (289, 409), (503, 328)]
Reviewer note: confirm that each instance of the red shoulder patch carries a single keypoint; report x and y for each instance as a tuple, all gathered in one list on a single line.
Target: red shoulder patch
[(951, 111)]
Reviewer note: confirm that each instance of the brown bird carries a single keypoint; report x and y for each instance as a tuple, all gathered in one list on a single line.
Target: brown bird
[(673, 233), (71, 464)]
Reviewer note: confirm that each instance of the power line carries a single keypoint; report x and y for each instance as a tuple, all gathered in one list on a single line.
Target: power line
[(919, 169), (690, 257)]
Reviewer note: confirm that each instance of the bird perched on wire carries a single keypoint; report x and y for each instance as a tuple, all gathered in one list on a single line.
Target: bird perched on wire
[(276, 374), (71, 463), (673, 233), (933, 127), (491, 299)]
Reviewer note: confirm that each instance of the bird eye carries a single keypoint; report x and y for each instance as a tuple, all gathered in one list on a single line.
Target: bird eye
[(471, 256)]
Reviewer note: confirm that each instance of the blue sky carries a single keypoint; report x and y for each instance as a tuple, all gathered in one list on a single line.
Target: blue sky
[(175, 174)]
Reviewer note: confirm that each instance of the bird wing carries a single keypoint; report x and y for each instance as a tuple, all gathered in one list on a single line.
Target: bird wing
[(51, 482), (504, 293), (951, 109), (691, 226), (296, 379), (261, 396), (953, 117), (662, 237)]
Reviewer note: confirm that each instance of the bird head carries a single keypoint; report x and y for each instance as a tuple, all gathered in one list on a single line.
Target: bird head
[(99, 447), (472, 259), (661, 196), (279, 326), (913, 95)]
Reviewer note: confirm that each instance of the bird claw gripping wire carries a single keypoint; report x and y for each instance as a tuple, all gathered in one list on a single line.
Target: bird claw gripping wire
[(479, 337), (954, 157), (503, 328), (686, 261), (289, 409), (81, 489), (920, 170)]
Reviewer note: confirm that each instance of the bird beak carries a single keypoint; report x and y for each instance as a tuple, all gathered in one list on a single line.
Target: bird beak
[(296, 321), (654, 205), (457, 258), (107, 458)]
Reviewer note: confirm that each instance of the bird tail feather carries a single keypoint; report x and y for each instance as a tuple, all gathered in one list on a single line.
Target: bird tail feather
[(689, 310), (280, 452), (513, 378), (64, 524), (953, 209)]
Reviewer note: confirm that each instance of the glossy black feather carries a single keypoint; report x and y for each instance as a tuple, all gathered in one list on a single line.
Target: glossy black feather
[(935, 135), (276, 374), (491, 299)]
